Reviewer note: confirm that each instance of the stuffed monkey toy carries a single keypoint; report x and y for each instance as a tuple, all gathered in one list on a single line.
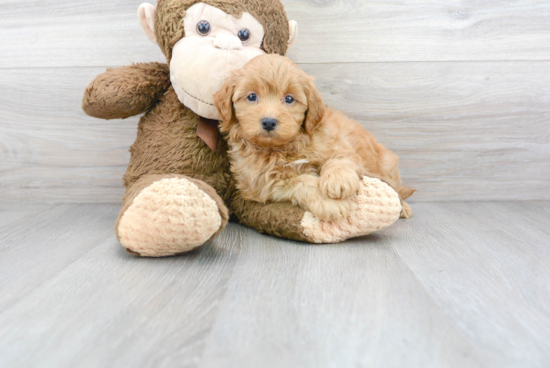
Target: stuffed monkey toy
[(179, 190)]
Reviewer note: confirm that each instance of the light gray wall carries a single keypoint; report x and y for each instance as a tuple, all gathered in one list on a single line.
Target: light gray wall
[(460, 90)]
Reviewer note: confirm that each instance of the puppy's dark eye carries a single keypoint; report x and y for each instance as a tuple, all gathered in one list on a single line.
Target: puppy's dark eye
[(244, 34), (289, 100), (203, 27), (252, 97)]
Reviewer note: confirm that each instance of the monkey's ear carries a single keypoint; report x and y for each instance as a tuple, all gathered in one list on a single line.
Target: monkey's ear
[(315, 107), (293, 28), (223, 99), (146, 15)]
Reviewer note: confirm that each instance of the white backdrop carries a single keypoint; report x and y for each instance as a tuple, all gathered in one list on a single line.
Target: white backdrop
[(460, 90)]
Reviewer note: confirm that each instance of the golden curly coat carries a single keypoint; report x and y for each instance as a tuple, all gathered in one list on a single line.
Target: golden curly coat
[(287, 146)]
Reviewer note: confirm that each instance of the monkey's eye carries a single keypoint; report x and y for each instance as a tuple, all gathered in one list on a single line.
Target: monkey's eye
[(289, 100), (244, 34), (252, 97), (203, 27)]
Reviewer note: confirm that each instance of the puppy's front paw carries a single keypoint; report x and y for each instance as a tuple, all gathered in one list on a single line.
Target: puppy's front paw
[(339, 183), (375, 207), (330, 209)]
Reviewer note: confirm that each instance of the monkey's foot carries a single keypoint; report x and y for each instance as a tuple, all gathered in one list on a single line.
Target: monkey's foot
[(375, 207), (171, 216)]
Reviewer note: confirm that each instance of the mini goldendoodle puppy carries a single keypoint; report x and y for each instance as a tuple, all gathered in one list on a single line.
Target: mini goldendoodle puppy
[(286, 145)]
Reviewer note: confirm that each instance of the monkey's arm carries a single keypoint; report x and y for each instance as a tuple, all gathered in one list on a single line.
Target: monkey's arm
[(123, 92)]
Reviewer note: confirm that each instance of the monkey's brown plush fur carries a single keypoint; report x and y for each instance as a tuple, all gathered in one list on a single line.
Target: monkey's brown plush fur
[(177, 188)]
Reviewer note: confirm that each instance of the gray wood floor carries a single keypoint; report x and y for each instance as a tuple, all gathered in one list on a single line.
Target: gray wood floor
[(461, 284)]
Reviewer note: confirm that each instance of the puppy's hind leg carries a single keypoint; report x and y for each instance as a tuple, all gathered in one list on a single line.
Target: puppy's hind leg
[(404, 193), (406, 212)]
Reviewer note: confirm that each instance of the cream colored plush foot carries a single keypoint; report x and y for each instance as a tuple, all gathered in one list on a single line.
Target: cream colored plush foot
[(375, 207), (170, 216)]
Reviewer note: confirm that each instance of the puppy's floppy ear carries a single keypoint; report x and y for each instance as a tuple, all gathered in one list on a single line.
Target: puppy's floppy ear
[(223, 101), (315, 107)]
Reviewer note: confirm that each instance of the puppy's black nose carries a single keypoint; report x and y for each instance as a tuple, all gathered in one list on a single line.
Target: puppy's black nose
[(269, 124)]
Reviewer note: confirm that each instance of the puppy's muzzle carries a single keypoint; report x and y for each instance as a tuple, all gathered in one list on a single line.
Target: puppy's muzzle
[(269, 124)]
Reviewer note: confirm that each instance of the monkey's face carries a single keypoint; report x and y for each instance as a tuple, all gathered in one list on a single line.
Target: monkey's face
[(205, 42), (215, 43)]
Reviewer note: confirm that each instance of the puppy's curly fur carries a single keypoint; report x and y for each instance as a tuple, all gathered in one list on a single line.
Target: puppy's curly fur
[(304, 152)]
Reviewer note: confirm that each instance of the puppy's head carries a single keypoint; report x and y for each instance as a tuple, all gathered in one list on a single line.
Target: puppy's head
[(269, 102)]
